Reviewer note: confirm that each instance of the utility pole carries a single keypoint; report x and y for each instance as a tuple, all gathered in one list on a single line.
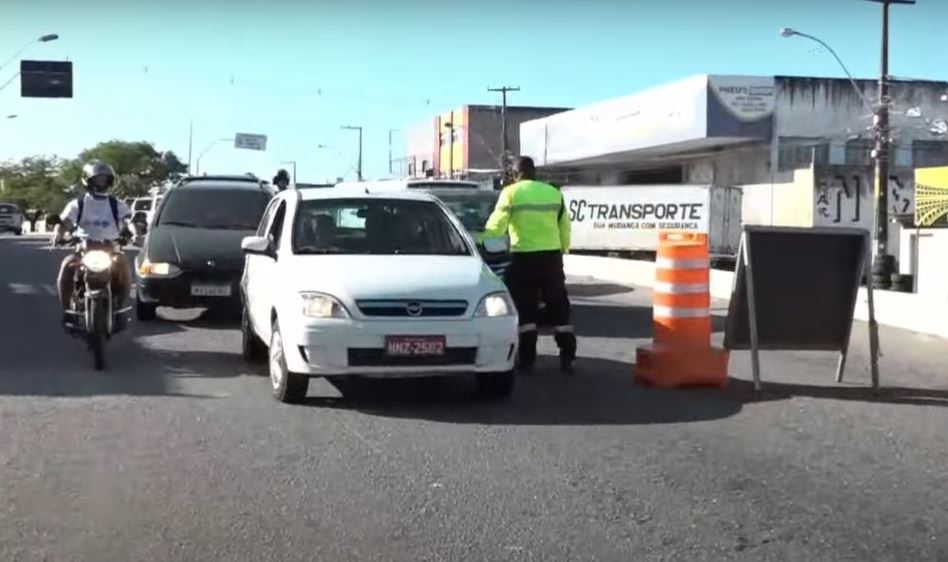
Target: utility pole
[(391, 162), (190, 144), (503, 122), (450, 127), (359, 165), (883, 263)]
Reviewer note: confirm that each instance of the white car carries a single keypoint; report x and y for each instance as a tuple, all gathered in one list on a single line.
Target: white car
[(11, 219), (377, 285)]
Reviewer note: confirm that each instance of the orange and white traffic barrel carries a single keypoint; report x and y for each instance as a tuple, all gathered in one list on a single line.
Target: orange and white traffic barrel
[(681, 353)]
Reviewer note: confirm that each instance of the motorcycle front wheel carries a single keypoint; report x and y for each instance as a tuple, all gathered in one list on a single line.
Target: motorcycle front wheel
[(97, 331)]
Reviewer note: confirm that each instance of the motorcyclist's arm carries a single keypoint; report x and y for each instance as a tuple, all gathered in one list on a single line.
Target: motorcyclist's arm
[(67, 221), (498, 221), (564, 226)]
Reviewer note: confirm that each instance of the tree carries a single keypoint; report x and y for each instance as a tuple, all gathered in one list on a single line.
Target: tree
[(35, 183), (138, 166)]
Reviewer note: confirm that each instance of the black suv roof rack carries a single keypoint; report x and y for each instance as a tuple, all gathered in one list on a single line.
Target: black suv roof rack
[(249, 178)]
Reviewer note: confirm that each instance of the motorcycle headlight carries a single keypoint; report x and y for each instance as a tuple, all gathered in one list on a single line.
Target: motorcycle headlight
[(494, 305), (97, 261), (158, 269), (319, 305)]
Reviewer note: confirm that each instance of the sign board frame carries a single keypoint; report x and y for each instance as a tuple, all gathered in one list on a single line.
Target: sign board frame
[(249, 141), (742, 331)]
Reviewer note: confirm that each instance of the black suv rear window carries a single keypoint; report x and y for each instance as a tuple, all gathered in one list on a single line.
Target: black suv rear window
[(214, 208)]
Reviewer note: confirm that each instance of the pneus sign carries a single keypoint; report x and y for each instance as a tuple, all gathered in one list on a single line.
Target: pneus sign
[(626, 217)]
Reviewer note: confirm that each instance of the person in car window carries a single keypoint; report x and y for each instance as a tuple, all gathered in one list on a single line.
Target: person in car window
[(96, 216)]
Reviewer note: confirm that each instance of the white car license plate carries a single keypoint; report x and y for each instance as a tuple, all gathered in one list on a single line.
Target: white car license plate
[(210, 290), (415, 346)]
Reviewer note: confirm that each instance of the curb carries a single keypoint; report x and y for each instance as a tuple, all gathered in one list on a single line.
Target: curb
[(907, 311)]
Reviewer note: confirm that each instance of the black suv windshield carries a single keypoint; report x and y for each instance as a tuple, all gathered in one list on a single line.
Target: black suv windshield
[(375, 226), (472, 209), (216, 208)]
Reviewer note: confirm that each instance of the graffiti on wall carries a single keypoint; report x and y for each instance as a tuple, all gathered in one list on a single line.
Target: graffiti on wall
[(845, 195)]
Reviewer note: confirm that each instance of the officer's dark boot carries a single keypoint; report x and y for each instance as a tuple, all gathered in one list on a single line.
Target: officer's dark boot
[(528, 352), (566, 341)]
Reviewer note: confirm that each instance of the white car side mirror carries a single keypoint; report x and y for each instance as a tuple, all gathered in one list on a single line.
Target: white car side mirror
[(259, 245)]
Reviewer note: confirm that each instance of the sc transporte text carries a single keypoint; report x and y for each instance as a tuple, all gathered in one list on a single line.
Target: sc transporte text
[(679, 216)]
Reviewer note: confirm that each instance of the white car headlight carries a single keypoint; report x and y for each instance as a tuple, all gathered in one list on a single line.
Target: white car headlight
[(494, 305), (319, 305), (97, 261), (158, 269)]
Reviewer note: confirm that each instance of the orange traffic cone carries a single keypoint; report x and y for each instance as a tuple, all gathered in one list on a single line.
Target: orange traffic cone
[(681, 353)]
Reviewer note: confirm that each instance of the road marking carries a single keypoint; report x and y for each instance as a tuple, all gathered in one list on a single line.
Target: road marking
[(50, 290)]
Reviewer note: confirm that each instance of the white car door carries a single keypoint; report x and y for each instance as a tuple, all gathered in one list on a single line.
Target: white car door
[(253, 266), (265, 278)]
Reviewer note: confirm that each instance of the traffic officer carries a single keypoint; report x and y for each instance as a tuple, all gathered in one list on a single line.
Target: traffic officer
[(534, 214)]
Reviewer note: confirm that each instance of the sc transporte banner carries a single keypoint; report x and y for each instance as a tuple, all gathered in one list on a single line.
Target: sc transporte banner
[(630, 217)]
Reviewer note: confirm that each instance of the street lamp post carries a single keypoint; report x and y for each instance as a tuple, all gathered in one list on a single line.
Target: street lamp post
[(450, 127), (339, 152), (42, 39), (197, 168), (883, 263), (359, 165)]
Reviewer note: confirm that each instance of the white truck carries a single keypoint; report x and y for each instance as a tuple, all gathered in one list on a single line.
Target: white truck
[(626, 219)]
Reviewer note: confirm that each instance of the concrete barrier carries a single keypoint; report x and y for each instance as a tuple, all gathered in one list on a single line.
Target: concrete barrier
[(907, 311)]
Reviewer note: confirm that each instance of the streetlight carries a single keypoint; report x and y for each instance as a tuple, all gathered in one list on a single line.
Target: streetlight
[(339, 152), (42, 39), (12, 116), (788, 32), (390, 161), (197, 168), (450, 127), (883, 263), (355, 128)]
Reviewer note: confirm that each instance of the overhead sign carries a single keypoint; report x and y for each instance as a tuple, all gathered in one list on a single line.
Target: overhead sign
[(250, 142), (45, 79)]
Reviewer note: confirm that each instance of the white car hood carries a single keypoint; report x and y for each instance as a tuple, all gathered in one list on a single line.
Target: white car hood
[(355, 277)]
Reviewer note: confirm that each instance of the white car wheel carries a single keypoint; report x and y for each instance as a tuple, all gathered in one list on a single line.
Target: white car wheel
[(288, 387)]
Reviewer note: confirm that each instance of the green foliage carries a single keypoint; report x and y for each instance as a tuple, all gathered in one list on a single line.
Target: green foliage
[(41, 182)]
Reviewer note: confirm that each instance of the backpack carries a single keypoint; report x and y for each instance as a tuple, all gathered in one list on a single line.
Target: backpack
[(113, 203)]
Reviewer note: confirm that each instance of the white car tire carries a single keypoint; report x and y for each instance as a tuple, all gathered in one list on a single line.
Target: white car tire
[(289, 388), (496, 385), (252, 348)]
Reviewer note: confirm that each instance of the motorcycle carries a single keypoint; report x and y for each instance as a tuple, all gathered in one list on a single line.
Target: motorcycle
[(94, 314)]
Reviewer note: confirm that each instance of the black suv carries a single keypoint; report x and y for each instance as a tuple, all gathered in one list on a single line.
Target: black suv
[(192, 258), (472, 207)]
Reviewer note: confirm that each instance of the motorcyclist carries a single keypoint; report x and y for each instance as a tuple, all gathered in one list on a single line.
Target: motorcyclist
[(96, 216), (281, 179)]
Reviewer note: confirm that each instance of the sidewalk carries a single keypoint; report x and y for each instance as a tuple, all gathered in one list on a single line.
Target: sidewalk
[(907, 311)]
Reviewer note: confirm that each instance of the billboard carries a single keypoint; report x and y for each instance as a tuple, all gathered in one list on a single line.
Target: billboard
[(931, 197), (741, 106)]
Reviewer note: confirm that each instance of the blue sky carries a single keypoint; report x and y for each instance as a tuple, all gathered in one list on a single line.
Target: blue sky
[(296, 70)]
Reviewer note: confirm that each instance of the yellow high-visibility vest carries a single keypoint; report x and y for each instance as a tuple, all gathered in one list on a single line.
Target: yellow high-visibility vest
[(534, 214)]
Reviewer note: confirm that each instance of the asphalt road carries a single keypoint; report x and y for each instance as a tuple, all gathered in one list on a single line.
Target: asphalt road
[(177, 452)]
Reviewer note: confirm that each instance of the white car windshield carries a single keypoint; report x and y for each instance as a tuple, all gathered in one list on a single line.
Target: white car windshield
[(375, 226)]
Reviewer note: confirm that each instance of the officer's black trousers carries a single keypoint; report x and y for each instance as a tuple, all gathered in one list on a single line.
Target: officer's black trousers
[(532, 275)]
